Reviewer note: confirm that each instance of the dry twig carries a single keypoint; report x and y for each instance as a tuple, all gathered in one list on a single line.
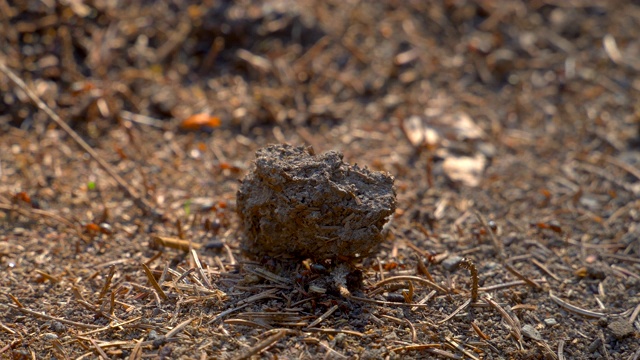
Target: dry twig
[(324, 316), (574, 308), (261, 345), (154, 283), (410, 278)]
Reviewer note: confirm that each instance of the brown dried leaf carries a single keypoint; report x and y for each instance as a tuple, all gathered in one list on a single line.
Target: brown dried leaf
[(465, 169), (200, 122), (461, 127)]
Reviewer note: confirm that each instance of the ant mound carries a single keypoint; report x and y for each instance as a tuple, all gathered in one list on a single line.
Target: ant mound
[(295, 204)]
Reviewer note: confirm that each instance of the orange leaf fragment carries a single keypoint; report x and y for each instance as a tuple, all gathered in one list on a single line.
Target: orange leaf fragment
[(22, 196), (92, 227), (200, 122), (390, 265)]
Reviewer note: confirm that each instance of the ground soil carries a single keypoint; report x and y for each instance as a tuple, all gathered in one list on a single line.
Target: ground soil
[(511, 128)]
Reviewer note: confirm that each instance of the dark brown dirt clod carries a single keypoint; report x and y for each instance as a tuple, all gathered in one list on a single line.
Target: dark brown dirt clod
[(621, 328), (295, 204)]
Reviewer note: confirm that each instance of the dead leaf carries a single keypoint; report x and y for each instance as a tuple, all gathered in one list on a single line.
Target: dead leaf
[(611, 48), (465, 169), (418, 133), (200, 121), (436, 127), (461, 126)]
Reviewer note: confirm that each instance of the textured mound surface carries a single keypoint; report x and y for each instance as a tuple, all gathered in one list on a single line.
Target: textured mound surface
[(296, 204)]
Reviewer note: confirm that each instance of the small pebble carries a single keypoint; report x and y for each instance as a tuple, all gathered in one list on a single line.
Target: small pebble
[(50, 336), (153, 335), (594, 346), (58, 327), (451, 263), (550, 321)]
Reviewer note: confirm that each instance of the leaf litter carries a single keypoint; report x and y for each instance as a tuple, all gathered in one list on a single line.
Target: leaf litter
[(539, 95)]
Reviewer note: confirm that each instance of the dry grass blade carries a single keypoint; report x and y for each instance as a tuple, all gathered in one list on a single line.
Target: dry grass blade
[(385, 303), (178, 328), (414, 334), (496, 243), (49, 277), (269, 294), (634, 314), (478, 331), (415, 347), (154, 283), (410, 278), (227, 312), (546, 270), (43, 316), (175, 243), (200, 290), (507, 285), (250, 323), (522, 277), (561, 350), (513, 322), (424, 299), (15, 300), (57, 345), (408, 294), (107, 282), (183, 275), (335, 331), (392, 318), (111, 326), (136, 353), (574, 308), (380, 268), (95, 310), (461, 348), (266, 274), (324, 316), (6, 328), (139, 201), (460, 308), (261, 345), (99, 349), (203, 276)]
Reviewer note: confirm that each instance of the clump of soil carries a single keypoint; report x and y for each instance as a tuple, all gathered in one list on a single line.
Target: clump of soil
[(298, 204)]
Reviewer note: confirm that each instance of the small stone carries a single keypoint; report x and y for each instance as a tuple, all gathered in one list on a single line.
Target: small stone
[(50, 336), (451, 263), (295, 204), (153, 335), (58, 327), (550, 321), (621, 328), (339, 338)]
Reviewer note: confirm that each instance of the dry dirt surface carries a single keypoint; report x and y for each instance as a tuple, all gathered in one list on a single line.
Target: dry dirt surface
[(511, 128)]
